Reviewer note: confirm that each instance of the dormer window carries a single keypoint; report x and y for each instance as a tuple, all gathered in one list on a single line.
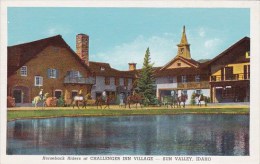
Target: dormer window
[(102, 68), (23, 71), (248, 54)]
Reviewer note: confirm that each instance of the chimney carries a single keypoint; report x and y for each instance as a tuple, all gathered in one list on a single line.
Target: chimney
[(132, 66), (82, 46)]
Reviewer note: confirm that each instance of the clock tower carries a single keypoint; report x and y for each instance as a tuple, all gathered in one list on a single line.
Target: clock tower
[(184, 47)]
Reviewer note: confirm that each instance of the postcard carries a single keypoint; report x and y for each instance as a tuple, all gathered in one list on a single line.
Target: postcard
[(130, 82)]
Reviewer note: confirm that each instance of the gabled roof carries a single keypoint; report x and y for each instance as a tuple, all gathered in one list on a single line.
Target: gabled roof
[(190, 62), (180, 71), (104, 69), (245, 40), (19, 55)]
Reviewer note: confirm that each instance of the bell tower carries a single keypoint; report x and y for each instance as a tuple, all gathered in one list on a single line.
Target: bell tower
[(184, 47)]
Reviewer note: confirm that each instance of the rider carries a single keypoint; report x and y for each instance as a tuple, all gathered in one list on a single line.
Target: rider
[(41, 94)]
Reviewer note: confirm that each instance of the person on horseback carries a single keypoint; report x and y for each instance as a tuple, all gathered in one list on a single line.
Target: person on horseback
[(41, 94)]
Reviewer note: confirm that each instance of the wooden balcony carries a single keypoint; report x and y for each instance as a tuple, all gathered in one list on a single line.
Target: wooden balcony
[(233, 77), (194, 85), (79, 80)]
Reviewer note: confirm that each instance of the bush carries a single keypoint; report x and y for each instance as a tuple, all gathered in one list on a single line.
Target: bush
[(61, 101), (193, 101)]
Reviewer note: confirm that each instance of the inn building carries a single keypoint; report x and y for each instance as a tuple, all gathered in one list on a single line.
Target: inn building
[(48, 64), (182, 74), (230, 74)]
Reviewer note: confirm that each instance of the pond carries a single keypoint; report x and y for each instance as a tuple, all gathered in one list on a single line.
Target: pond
[(224, 135)]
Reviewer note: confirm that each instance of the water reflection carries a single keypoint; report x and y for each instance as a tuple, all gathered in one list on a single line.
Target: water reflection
[(132, 135)]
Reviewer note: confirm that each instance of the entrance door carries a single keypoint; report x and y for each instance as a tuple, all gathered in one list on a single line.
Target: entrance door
[(18, 96), (73, 94), (57, 94), (229, 73)]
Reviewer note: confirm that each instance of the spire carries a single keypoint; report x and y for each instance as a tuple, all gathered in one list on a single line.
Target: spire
[(184, 40), (184, 46)]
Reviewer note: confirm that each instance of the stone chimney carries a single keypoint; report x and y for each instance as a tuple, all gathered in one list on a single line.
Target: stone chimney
[(82, 46), (132, 66)]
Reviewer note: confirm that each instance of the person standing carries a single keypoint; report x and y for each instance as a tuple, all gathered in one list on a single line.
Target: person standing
[(41, 94)]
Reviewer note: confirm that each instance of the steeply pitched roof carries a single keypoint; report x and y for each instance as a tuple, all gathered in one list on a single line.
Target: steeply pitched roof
[(237, 45), (19, 55), (190, 62), (184, 40), (104, 69)]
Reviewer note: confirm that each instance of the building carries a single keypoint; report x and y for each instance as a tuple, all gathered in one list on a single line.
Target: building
[(108, 79), (48, 64), (230, 73), (182, 74)]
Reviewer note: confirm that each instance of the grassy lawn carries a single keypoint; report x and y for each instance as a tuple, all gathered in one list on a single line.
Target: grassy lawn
[(63, 112)]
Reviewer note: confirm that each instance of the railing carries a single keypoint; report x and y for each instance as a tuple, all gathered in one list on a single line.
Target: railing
[(233, 77), (79, 80), (190, 85)]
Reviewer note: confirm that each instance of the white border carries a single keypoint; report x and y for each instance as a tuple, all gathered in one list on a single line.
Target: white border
[(254, 86)]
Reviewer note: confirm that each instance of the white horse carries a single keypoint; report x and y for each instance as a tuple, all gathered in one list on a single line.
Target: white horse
[(38, 99)]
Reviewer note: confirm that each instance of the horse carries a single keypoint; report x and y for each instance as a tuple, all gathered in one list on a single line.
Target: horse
[(171, 100), (100, 100), (38, 99), (182, 99), (79, 100), (201, 98), (134, 99)]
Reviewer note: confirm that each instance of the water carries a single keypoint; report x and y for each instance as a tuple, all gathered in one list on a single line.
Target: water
[(225, 135)]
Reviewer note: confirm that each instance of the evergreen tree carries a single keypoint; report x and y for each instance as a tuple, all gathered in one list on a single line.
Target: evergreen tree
[(145, 84)]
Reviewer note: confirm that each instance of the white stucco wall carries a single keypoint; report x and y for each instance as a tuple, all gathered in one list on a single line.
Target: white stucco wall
[(100, 85)]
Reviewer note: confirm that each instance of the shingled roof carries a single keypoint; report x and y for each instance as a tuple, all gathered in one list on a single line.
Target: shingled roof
[(240, 46), (104, 69), (20, 54)]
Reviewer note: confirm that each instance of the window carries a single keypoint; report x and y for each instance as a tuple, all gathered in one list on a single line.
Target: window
[(107, 80), (125, 82), (184, 92), (178, 64), (38, 81), (184, 79), (52, 73), (23, 71), (74, 74), (197, 78), (248, 54), (198, 92), (116, 81)]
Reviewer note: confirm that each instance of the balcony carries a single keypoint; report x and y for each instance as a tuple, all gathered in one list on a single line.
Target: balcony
[(194, 85), (79, 80), (233, 77)]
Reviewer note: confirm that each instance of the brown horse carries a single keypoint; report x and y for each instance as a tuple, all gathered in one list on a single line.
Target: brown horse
[(201, 98), (134, 99), (104, 100), (182, 99)]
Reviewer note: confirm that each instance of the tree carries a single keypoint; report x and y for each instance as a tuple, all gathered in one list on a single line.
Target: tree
[(145, 84)]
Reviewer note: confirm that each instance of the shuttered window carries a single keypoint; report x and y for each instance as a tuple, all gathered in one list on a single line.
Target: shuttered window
[(38, 81), (52, 73)]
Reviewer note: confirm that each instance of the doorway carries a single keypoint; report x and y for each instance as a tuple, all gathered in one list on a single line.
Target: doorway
[(57, 93), (18, 96)]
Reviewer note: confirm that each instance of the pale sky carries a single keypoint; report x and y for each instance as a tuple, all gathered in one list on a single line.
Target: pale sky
[(121, 35)]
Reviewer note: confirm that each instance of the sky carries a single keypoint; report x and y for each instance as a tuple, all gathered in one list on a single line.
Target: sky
[(121, 35)]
